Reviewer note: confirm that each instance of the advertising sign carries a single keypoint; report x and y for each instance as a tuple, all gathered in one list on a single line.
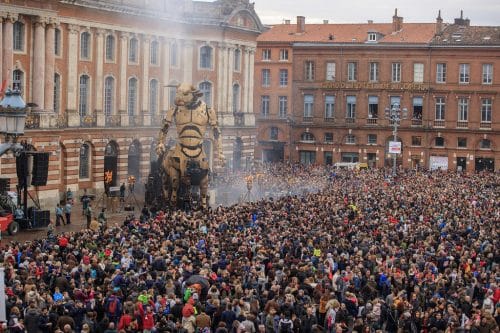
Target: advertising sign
[(438, 162), (394, 147)]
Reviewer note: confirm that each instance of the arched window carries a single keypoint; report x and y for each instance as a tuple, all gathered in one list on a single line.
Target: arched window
[(153, 97), (18, 35), (17, 80), (110, 48), (237, 60), (57, 41), (306, 136), (85, 45), (109, 88), (206, 89), (84, 161), (83, 107), (153, 53), (173, 55), (132, 96), (236, 98), (172, 89), (134, 159), (57, 93), (132, 50), (206, 57)]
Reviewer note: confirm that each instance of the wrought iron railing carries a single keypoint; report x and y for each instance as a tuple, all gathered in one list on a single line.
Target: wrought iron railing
[(88, 120), (32, 121), (113, 121)]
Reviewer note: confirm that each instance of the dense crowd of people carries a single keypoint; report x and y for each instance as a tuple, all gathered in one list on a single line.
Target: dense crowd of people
[(364, 253)]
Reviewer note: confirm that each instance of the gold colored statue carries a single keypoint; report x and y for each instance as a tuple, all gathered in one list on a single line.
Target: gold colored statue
[(186, 164)]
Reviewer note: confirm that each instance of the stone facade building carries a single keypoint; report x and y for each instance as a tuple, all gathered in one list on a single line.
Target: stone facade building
[(322, 91), (103, 73)]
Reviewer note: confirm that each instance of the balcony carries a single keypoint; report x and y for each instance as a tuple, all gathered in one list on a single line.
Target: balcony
[(329, 120), (416, 122), (113, 121), (32, 121), (350, 120), (88, 121), (156, 120), (371, 121), (439, 123), (307, 119), (239, 119), (135, 121), (485, 125), (462, 124)]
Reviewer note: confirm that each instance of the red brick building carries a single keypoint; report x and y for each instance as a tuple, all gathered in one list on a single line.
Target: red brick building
[(343, 77), (103, 73)]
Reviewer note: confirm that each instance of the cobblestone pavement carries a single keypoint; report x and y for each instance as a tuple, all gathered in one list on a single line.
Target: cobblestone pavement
[(78, 222)]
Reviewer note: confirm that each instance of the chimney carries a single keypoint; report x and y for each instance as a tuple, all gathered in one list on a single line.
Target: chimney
[(287, 21), (461, 20), (439, 24), (325, 21), (301, 24), (397, 21), (370, 21)]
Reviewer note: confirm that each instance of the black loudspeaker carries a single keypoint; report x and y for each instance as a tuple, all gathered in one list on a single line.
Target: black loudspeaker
[(40, 169), (4, 185), (22, 169), (39, 218)]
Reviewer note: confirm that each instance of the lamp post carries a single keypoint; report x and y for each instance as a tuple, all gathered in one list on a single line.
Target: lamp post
[(12, 121), (395, 114)]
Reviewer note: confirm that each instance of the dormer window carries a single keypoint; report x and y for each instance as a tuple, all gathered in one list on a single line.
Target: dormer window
[(372, 36)]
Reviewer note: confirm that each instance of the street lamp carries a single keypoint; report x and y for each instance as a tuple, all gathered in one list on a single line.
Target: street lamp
[(12, 120), (395, 114)]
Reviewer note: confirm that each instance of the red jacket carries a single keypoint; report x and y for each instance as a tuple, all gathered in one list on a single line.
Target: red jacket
[(148, 321), (124, 321)]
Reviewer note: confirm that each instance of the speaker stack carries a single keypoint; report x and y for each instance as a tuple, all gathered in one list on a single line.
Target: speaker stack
[(40, 169)]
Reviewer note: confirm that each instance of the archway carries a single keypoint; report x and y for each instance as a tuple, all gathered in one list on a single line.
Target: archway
[(111, 164), (237, 153), (134, 159)]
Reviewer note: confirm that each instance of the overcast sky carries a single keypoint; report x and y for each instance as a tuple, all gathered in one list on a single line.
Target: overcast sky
[(480, 12)]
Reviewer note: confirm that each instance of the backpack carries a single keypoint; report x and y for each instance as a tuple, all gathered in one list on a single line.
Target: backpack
[(285, 326), (113, 306)]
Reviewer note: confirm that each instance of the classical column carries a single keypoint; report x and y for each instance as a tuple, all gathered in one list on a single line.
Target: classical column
[(101, 120), (224, 107), (187, 75), (251, 72), (39, 62), (230, 69), (122, 106), (245, 69), (165, 74), (1, 44), (145, 73), (49, 63), (72, 85), (8, 45), (220, 75)]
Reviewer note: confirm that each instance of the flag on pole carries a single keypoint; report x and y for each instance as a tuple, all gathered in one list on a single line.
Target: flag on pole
[(4, 84)]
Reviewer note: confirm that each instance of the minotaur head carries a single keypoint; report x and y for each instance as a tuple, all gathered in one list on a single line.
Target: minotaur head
[(187, 94)]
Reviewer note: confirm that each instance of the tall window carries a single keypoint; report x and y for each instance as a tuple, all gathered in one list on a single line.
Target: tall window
[(282, 106), (18, 35), (173, 55), (84, 161), (487, 73), (236, 98), (206, 89), (440, 108), (57, 41), (109, 89), (83, 106), (418, 72), (372, 107), (283, 55), (57, 93), (396, 72), (85, 45), (418, 103), (463, 109), (283, 77), (237, 60), (153, 97), (171, 96), (329, 106), (372, 139), (309, 70), (486, 110), (132, 96), (351, 107), (266, 54), (395, 100), (18, 80), (273, 135), (330, 71), (110, 48), (264, 105), (441, 73), (153, 52), (352, 71), (206, 57), (373, 71), (133, 49), (266, 77), (350, 139), (308, 106), (464, 73)]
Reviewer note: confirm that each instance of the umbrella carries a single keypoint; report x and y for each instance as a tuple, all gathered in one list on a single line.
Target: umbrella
[(198, 279)]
